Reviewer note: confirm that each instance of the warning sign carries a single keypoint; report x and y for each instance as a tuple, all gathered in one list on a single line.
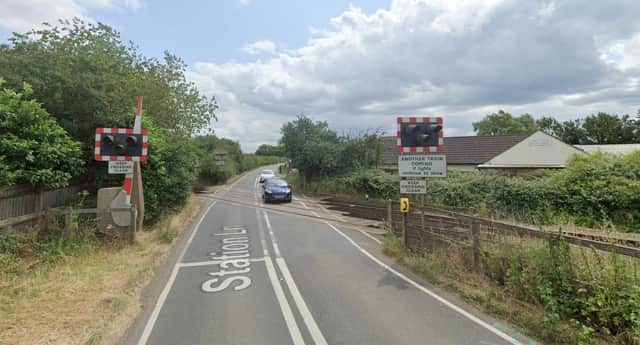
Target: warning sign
[(413, 187), (120, 167), (422, 165)]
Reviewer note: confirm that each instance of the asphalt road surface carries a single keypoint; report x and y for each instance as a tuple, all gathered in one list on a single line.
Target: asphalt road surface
[(253, 276)]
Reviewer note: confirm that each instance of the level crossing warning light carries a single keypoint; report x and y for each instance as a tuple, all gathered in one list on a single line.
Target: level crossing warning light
[(121, 144), (420, 134)]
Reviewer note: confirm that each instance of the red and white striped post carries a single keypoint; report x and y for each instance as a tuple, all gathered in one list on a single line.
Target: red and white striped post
[(137, 128)]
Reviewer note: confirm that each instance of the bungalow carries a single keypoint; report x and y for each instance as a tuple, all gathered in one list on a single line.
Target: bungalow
[(515, 153)]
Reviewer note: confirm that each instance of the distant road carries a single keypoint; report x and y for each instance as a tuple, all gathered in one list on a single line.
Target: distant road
[(250, 276)]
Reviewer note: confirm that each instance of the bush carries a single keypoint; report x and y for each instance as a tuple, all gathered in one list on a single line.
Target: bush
[(169, 173), (595, 190), (34, 149)]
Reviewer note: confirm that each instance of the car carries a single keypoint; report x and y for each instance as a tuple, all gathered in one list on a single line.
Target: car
[(266, 174), (277, 189)]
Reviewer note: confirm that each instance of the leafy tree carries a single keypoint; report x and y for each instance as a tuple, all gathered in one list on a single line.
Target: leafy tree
[(573, 133), (34, 149), (310, 145), (270, 150), (604, 128), (87, 78), (169, 172), (364, 151), (503, 123)]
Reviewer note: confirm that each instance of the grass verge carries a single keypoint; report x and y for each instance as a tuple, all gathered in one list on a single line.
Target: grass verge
[(88, 296), (445, 268)]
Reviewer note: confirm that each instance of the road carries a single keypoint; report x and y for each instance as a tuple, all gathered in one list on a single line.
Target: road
[(247, 275)]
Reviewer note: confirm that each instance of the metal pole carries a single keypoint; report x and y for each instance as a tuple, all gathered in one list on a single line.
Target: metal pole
[(404, 230)]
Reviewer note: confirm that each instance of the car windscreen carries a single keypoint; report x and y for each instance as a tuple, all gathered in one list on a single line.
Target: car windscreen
[(277, 183)]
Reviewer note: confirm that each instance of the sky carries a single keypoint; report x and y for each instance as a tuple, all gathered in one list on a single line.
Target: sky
[(359, 64)]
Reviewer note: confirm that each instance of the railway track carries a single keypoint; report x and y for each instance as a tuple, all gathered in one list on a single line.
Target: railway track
[(454, 219)]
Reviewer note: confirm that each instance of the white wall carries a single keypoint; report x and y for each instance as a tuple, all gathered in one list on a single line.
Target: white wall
[(537, 151)]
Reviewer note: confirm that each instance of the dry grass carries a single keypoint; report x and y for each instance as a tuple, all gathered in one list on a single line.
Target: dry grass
[(87, 299)]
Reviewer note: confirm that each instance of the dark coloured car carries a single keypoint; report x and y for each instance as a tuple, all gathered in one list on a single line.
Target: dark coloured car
[(277, 189)]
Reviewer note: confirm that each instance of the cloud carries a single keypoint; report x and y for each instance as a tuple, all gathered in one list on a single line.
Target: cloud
[(22, 16), (458, 59), (260, 47), (245, 2)]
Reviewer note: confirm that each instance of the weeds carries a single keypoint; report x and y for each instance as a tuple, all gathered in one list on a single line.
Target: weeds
[(165, 233), (584, 297)]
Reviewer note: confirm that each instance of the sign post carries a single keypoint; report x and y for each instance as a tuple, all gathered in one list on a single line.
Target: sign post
[(404, 208), (420, 143), (124, 149)]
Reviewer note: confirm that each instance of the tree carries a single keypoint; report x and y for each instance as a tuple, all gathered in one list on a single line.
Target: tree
[(34, 149), (604, 128), (503, 123), (87, 78), (572, 132), (270, 150), (310, 145)]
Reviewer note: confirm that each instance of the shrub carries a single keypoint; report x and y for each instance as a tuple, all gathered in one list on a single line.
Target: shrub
[(34, 149), (169, 172)]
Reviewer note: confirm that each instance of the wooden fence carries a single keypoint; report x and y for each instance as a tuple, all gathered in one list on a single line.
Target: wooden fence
[(22, 200), (429, 227)]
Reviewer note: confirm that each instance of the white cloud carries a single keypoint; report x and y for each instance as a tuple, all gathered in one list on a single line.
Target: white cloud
[(245, 2), (22, 16), (459, 59), (260, 47)]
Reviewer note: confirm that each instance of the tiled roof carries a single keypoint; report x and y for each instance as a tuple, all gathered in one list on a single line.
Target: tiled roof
[(463, 150)]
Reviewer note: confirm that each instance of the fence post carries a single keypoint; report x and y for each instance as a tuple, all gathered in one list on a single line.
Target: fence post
[(422, 213), (475, 239), (390, 215), (68, 219)]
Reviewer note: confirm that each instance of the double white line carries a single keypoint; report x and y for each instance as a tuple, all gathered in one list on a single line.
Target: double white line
[(289, 319)]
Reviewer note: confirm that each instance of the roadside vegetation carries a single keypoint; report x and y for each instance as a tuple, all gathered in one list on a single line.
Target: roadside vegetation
[(78, 289), (557, 293), (58, 84), (599, 191)]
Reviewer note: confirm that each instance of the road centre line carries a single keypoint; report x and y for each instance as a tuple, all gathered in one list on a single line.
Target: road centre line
[(287, 314), (263, 241), (312, 326), (167, 288), (428, 292), (276, 249), (294, 331), (309, 321), (213, 262)]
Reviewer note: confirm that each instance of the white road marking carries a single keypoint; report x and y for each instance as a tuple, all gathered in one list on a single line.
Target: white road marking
[(309, 321), (289, 319), (212, 262), (314, 330), (296, 336), (370, 236), (263, 241), (429, 292), (307, 207), (165, 292), (276, 249)]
